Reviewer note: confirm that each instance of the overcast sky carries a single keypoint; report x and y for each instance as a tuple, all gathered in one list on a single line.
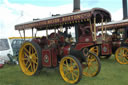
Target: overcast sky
[(17, 11)]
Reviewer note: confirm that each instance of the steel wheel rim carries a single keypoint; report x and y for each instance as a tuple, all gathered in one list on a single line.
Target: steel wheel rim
[(91, 66), (28, 59), (69, 70), (94, 50), (122, 55)]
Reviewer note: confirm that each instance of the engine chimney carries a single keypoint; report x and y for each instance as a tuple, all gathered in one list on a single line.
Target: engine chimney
[(125, 13), (76, 5), (76, 8)]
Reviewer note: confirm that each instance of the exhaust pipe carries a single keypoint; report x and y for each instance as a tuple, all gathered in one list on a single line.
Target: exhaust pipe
[(125, 14), (76, 5), (76, 8)]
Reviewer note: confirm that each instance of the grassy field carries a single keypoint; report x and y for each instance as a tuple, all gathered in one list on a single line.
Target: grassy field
[(112, 73)]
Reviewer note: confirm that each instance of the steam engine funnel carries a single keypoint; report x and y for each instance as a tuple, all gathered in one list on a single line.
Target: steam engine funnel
[(125, 12), (76, 5)]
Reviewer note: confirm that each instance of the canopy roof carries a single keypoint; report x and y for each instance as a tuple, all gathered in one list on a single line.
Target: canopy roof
[(66, 19), (116, 24)]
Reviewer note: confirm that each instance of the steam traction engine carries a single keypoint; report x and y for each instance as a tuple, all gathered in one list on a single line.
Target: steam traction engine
[(59, 48), (116, 42)]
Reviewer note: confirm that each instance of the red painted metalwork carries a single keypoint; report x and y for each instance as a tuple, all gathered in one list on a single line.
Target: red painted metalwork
[(85, 35), (79, 46), (66, 50), (46, 58), (85, 39), (106, 49), (54, 57)]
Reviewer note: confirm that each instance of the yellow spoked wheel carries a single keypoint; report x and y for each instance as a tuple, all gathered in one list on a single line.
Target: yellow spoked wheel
[(70, 69), (122, 55), (92, 65), (94, 50), (30, 58)]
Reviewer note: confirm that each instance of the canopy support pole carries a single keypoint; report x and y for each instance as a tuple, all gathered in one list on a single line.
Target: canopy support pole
[(94, 29), (20, 34), (102, 29), (47, 33), (32, 33), (105, 26), (24, 34), (91, 29), (36, 33)]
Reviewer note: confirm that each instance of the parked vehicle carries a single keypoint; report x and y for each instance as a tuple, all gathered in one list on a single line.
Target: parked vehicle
[(5, 49), (58, 48), (116, 43), (16, 44)]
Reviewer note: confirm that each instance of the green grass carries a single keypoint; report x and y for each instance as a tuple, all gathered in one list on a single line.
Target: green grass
[(112, 73)]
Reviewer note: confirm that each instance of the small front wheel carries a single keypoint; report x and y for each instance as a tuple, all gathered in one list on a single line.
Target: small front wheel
[(70, 69), (92, 65)]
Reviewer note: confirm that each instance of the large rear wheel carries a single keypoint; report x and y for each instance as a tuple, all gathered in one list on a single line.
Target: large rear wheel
[(70, 69), (30, 58), (92, 65), (121, 55)]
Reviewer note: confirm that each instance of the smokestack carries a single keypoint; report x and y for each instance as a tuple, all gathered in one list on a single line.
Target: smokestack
[(125, 14), (76, 8), (76, 5)]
